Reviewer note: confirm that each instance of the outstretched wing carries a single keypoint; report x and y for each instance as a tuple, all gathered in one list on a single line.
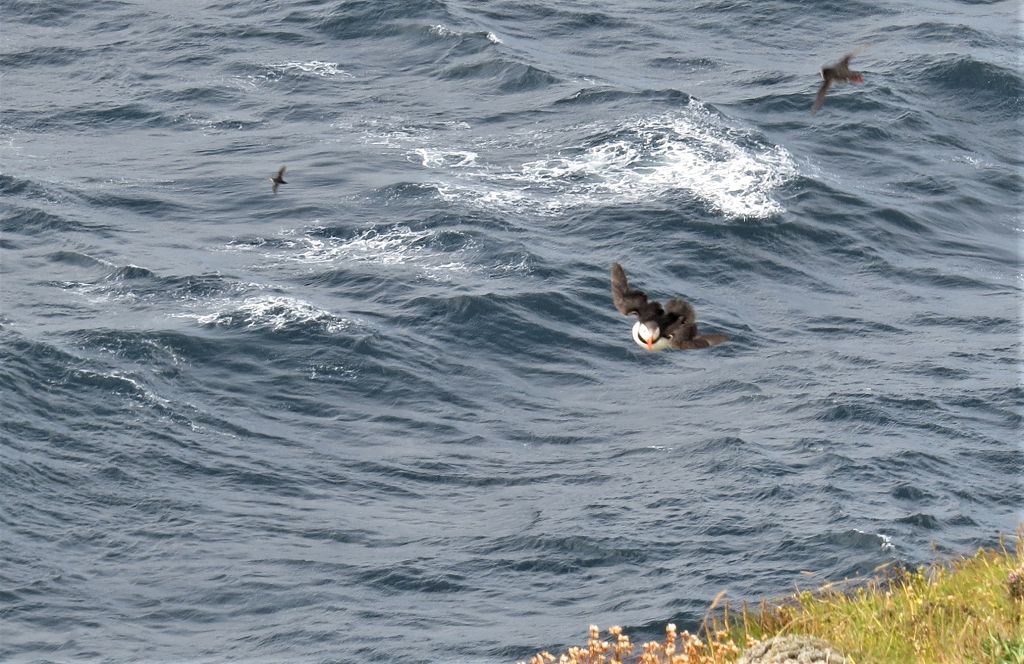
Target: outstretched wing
[(845, 62), (629, 300), (278, 179), (826, 83)]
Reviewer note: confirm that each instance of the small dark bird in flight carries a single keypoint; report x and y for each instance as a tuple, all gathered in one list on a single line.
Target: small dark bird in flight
[(840, 71), (675, 326), (278, 179)]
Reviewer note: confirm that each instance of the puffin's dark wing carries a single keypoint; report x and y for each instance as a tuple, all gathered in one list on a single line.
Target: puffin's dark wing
[(681, 308), (629, 300), (683, 331), (845, 62), (683, 323), (826, 83), (280, 173)]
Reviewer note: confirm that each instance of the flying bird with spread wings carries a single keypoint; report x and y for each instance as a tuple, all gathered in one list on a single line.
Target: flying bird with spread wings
[(658, 328), (839, 72)]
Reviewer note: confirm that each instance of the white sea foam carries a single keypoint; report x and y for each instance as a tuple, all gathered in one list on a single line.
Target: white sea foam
[(398, 133), (972, 160), (391, 245), (211, 126), (396, 245), (885, 542), (444, 31), (120, 383), (272, 312), (115, 288), (693, 150), (317, 67), (332, 372), (731, 170), (274, 71), (102, 292), (439, 158)]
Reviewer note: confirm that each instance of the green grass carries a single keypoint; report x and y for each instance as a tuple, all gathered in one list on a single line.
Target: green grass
[(961, 611), (969, 610)]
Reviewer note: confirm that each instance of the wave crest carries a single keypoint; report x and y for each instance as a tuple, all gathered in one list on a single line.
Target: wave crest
[(732, 171), (275, 313)]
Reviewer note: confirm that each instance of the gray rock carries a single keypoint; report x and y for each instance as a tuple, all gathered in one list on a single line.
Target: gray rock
[(792, 650)]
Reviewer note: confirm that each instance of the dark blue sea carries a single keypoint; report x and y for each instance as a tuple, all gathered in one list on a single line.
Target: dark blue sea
[(390, 414)]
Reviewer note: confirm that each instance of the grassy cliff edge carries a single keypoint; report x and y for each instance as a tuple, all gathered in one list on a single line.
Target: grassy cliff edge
[(969, 610)]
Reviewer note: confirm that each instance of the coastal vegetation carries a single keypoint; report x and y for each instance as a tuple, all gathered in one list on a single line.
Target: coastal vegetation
[(968, 610)]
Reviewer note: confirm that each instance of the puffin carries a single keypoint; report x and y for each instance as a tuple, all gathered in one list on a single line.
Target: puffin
[(278, 179), (840, 71), (657, 328)]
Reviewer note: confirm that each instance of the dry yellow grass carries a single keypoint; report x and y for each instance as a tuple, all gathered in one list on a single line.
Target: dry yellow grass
[(967, 611)]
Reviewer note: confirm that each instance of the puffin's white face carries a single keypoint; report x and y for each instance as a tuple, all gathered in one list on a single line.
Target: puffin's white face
[(646, 334), (649, 334)]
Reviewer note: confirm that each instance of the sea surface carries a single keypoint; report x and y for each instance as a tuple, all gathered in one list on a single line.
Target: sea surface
[(390, 414)]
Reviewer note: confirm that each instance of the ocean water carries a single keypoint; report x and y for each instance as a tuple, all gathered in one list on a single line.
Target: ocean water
[(390, 413)]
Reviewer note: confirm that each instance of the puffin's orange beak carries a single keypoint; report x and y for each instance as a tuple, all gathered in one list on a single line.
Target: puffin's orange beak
[(650, 345)]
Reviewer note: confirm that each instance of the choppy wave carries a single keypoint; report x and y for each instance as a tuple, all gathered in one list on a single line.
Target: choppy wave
[(443, 31), (387, 246), (437, 158), (730, 170), (390, 412), (315, 67), (276, 313), (983, 84), (136, 284)]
